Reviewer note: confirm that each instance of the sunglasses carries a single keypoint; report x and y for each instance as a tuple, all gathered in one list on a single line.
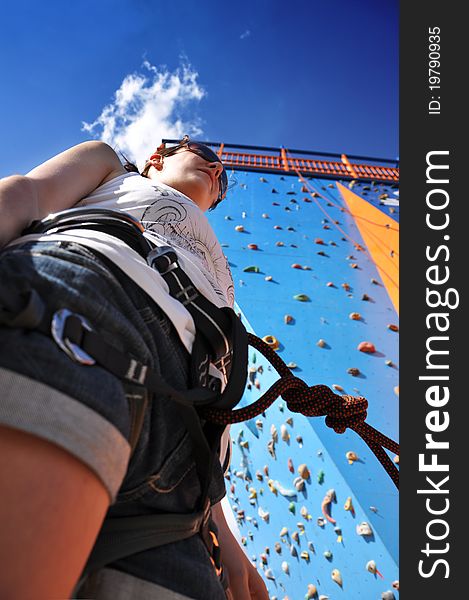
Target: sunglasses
[(207, 154)]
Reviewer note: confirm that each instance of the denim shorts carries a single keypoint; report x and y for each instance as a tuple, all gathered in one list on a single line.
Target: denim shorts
[(85, 409)]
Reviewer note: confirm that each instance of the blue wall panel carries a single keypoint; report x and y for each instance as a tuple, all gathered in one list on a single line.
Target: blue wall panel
[(263, 305)]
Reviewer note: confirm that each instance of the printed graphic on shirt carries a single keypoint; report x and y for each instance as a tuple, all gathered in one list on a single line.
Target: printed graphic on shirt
[(181, 223)]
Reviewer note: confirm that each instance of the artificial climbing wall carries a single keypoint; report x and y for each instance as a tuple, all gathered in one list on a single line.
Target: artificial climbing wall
[(315, 264)]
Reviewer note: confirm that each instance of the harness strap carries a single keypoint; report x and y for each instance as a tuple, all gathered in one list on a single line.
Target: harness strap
[(123, 536)]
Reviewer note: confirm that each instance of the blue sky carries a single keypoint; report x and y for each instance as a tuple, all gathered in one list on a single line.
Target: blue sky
[(304, 74)]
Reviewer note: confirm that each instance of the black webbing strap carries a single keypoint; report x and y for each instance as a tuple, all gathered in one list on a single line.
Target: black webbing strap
[(222, 330), (123, 536)]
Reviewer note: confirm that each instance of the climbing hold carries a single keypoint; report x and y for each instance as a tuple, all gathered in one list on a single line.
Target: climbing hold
[(305, 556), (268, 278), (253, 247), (287, 319), (274, 433), (306, 268), (252, 493), (327, 554), (280, 244), (252, 269), (373, 509), (239, 228), (326, 505), (271, 449), (355, 316), (338, 531), (263, 558), (365, 298), (266, 470), (274, 191), (396, 390), (257, 384), (299, 483), (244, 540), (349, 505), (263, 179), (285, 567), (321, 253), (319, 241), (321, 477), (286, 492), (283, 532), (284, 433), (296, 266), (296, 537), (353, 371), (330, 284), (367, 347), (312, 592), (321, 343), (291, 468), (267, 550), (259, 424), (278, 227), (259, 476), (396, 459), (278, 547), (269, 574), (303, 471), (337, 387), (337, 577), (351, 457), (311, 547), (264, 514), (304, 513), (292, 507), (364, 529), (272, 487), (299, 439), (271, 341), (301, 298), (388, 595), (393, 327), (388, 363), (372, 568), (265, 216), (301, 527), (244, 444), (395, 584), (293, 550), (353, 265), (250, 535), (289, 420), (321, 522), (374, 281), (346, 287)]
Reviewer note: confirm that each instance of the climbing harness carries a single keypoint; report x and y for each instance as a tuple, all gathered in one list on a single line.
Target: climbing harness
[(220, 339)]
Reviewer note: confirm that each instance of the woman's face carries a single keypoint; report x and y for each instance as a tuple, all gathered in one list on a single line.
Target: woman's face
[(190, 174)]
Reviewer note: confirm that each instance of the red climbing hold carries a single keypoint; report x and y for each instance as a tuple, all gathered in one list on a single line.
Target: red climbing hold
[(367, 347)]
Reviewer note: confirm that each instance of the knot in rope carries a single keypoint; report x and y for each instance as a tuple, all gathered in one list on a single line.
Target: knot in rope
[(319, 400)]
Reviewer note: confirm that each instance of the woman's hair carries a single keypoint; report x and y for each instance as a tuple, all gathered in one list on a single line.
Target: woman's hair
[(128, 166)]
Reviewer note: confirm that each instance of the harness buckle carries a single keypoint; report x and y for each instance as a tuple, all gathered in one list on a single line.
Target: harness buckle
[(74, 351), (163, 259)]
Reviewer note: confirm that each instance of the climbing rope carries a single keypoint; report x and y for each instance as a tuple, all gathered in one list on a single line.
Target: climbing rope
[(315, 401)]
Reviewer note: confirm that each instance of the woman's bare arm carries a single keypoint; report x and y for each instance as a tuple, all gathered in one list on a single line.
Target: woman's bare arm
[(55, 185), (51, 509)]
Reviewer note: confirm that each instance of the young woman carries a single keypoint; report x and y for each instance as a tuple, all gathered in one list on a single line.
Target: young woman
[(69, 455)]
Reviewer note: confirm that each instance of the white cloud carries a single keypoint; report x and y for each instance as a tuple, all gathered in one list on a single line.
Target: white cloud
[(246, 34), (147, 107)]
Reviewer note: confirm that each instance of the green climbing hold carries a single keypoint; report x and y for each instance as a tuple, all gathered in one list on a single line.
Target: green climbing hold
[(252, 269), (321, 477), (301, 298), (292, 507)]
